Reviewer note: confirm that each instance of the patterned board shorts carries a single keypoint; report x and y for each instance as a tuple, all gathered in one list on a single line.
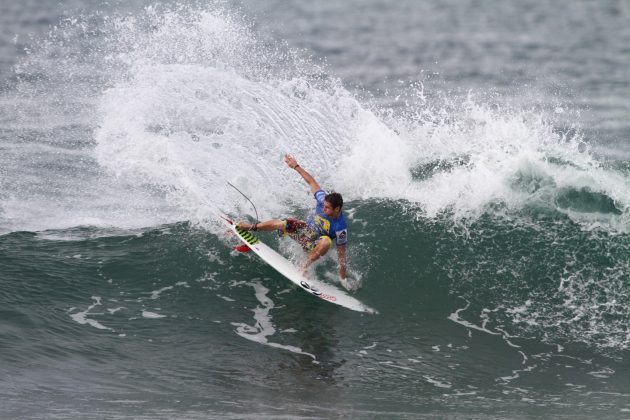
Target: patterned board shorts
[(302, 232)]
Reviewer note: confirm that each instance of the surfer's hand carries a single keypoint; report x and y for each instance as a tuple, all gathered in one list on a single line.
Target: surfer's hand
[(290, 161)]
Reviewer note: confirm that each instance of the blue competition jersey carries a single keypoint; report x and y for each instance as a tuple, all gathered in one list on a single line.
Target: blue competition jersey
[(336, 229)]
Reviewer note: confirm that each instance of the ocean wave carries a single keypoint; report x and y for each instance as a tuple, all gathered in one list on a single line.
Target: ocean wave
[(163, 107)]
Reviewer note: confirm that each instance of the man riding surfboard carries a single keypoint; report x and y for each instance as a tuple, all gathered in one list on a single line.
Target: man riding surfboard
[(317, 234)]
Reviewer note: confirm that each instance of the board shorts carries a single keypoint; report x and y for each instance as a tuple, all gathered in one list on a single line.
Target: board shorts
[(303, 233)]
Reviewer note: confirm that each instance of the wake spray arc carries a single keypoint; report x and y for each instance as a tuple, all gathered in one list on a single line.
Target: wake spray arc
[(247, 198)]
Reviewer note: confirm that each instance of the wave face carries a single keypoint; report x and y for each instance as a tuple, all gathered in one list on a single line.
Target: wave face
[(492, 237)]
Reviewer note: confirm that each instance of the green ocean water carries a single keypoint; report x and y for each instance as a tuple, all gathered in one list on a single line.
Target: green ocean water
[(500, 322), (484, 167)]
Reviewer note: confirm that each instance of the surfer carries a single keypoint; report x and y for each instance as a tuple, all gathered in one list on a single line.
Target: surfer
[(317, 234)]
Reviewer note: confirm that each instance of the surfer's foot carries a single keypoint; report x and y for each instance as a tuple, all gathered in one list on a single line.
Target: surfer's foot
[(248, 226), (303, 269), (349, 285)]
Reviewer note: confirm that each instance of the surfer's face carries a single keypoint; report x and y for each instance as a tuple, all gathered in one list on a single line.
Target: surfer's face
[(331, 212)]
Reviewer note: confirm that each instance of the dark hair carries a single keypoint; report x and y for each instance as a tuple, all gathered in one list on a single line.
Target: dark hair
[(334, 199)]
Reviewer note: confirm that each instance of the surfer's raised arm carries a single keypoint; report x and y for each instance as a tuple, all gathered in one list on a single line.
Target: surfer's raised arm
[(328, 214), (292, 163)]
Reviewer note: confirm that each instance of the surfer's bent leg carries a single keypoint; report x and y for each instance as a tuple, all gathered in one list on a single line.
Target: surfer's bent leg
[(322, 246)]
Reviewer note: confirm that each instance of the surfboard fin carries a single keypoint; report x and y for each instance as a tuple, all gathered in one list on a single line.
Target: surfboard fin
[(242, 248)]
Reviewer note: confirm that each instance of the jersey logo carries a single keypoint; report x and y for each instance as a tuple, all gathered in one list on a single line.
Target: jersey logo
[(322, 224), (342, 237)]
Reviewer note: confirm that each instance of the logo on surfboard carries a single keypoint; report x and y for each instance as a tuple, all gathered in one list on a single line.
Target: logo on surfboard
[(316, 292), (310, 288)]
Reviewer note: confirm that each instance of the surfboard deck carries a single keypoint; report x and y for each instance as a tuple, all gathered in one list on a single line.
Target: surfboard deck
[(314, 287)]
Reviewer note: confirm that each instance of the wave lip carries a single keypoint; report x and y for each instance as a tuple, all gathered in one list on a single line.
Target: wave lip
[(469, 158)]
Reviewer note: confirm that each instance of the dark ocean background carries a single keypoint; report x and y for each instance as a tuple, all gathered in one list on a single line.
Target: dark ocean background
[(483, 152)]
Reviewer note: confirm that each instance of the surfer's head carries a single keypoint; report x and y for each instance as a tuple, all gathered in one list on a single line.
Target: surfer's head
[(333, 203)]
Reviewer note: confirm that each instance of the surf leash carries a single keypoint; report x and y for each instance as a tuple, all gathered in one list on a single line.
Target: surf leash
[(247, 198)]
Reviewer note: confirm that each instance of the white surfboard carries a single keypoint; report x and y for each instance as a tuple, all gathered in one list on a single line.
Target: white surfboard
[(316, 288)]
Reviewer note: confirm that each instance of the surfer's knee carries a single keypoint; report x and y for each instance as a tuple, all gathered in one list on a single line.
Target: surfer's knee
[(323, 245)]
